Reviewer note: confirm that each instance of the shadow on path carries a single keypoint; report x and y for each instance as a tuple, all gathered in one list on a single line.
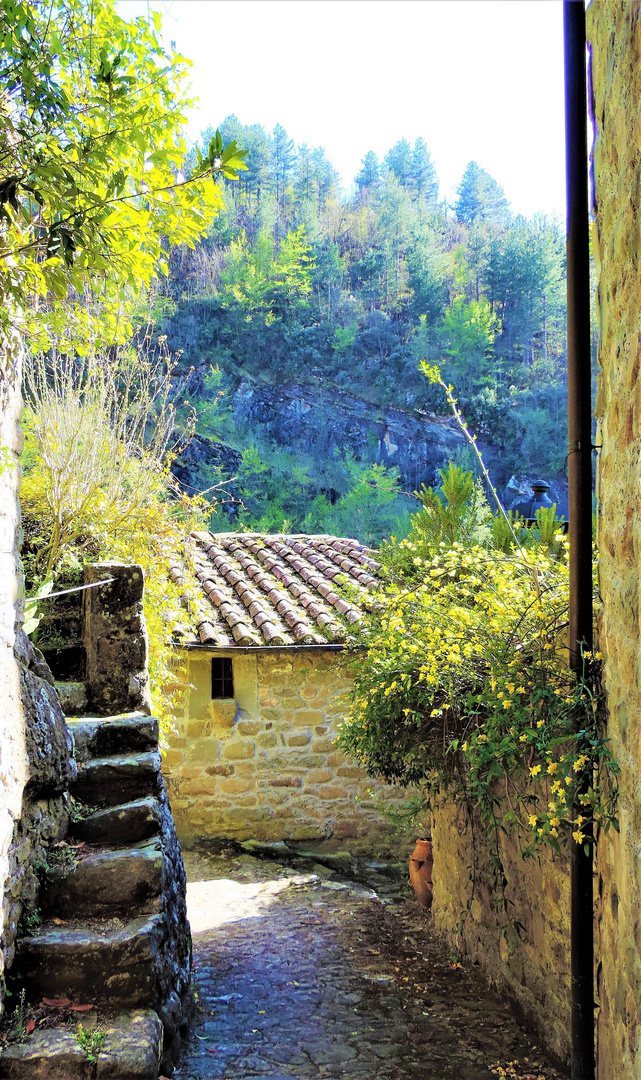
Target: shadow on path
[(301, 976)]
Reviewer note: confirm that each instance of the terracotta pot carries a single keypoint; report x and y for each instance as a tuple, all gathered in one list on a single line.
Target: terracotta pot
[(421, 862)]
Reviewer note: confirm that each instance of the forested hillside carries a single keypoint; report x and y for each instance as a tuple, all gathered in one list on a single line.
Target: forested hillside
[(305, 314)]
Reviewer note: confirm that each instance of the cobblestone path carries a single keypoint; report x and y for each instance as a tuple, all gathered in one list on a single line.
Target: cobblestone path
[(304, 976)]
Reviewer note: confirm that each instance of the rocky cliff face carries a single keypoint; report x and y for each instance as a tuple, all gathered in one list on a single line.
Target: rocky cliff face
[(316, 419)]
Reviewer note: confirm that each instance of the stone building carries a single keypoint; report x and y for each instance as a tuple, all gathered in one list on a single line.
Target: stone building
[(253, 755), (537, 974)]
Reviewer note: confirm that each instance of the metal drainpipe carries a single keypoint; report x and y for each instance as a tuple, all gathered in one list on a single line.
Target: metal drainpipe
[(580, 502)]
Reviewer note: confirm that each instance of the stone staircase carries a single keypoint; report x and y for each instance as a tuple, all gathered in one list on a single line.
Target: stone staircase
[(114, 931)]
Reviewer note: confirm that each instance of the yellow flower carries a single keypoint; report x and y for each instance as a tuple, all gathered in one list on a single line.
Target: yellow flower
[(553, 832), (540, 723), (598, 656), (578, 836), (555, 786), (523, 737), (533, 819), (568, 780), (579, 763), (555, 821), (535, 770), (464, 746), (482, 738), (552, 767)]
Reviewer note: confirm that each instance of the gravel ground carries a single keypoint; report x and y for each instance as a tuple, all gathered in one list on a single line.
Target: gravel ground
[(307, 975)]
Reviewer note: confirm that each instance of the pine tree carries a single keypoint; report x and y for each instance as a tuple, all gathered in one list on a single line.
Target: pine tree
[(258, 178), (480, 197), (424, 178), (399, 161), (283, 157), (370, 173)]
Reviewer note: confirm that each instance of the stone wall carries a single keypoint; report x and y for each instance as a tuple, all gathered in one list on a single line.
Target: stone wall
[(534, 972), (115, 640), (35, 746), (12, 731), (264, 765), (614, 30)]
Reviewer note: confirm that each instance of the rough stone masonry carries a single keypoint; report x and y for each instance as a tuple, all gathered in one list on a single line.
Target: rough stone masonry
[(614, 30)]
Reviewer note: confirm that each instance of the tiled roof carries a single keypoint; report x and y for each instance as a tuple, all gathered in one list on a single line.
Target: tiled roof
[(277, 590)]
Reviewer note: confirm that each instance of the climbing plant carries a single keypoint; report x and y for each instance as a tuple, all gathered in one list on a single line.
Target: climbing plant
[(466, 687)]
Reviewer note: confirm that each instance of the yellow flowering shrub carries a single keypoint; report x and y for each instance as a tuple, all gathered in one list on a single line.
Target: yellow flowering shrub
[(465, 687)]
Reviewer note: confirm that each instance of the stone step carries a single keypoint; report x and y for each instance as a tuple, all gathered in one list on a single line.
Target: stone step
[(127, 824), (132, 733), (105, 966), (132, 1050), (106, 883), (111, 781)]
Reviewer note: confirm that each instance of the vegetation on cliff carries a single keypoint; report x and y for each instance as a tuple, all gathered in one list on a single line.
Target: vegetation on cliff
[(299, 293)]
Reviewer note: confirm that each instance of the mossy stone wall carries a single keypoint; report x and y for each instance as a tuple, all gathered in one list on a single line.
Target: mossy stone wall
[(532, 970)]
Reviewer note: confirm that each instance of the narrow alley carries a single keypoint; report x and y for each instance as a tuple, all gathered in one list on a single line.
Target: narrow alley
[(301, 974)]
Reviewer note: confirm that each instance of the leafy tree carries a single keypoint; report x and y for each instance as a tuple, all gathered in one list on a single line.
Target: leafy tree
[(480, 197), (91, 149), (469, 332)]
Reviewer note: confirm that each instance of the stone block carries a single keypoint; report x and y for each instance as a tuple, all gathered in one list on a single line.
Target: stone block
[(245, 768), (318, 776), (298, 740), (322, 746), (219, 770), (115, 639), (198, 729), (224, 713), (308, 717), (270, 714), (172, 757), (330, 792), (352, 772), (248, 727), (246, 800), (267, 739), (240, 750), (236, 786), (203, 751), (282, 782), (73, 698)]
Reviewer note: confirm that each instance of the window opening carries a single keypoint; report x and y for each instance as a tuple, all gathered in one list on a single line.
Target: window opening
[(222, 677)]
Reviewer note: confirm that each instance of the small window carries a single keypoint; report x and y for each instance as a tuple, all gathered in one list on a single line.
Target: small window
[(222, 677)]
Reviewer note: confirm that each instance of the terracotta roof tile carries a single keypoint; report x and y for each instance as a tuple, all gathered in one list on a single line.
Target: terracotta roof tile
[(277, 590)]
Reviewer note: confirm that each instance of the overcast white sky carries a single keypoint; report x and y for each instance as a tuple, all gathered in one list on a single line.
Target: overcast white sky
[(477, 79)]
